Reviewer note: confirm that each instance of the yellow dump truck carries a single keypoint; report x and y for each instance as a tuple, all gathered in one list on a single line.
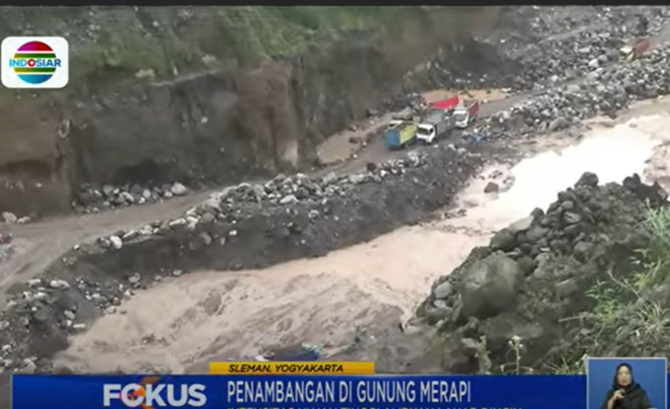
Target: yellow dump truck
[(400, 133)]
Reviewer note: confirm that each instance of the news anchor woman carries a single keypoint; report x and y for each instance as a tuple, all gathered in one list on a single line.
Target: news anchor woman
[(625, 393)]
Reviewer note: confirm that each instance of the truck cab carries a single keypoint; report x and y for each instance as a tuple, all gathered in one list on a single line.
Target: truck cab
[(466, 113), (461, 118), (426, 133), (436, 124)]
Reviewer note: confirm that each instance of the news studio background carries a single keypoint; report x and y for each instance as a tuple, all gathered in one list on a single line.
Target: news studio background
[(253, 206)]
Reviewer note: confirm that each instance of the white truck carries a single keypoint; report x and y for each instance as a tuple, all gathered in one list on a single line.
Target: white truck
[(466, 113), (435, 125)]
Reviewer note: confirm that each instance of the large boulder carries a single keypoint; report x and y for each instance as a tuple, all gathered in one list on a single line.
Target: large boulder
[(490, 286)]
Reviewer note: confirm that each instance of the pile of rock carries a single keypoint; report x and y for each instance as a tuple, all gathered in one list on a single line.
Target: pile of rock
[(558, 61), (60, 308), (92, 199), (566, 50), (297, 193), (293, 192), (11, 218), (534, 276), (603, 92)]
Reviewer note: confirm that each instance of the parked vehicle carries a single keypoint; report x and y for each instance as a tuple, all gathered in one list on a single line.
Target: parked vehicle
[(635, 49), (399, 133), (296, 352), (434, 126), (466, 113)]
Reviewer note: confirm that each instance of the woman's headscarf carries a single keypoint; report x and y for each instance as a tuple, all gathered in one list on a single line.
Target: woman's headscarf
[(616, 385)]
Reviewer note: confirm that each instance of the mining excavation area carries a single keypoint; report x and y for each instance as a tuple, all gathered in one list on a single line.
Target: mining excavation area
[(316, 231)]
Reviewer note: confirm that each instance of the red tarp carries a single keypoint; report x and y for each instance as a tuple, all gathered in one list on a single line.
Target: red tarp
[(446, 104)]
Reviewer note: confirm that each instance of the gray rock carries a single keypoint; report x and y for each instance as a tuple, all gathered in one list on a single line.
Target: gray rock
[(206, 238), (558, 124), (491, 187), (587, 179), (582, 251), (329, 178), (535, 233), (288, 199), (527, 265), (29, 366), (357, 179), (116, 241), (212, 205), (490, 286), (573, 88), (567, 288), (108, 190), (572, 218), (443, 290), (207, 218), (178, 189), (521, 225), (9, 217), (469, 345), (503, 240), (59, 284), (568, 205)]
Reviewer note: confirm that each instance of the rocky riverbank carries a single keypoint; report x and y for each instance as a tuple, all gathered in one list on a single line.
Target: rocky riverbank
[(525, 303)]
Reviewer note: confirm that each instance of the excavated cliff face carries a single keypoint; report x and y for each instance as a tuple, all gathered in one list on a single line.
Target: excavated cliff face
[(219, 126)]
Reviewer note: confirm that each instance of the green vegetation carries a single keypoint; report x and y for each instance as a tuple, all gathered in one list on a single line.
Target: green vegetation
[(629, 314), (629, 317), (169, 40), (117, 44), (635, 310)]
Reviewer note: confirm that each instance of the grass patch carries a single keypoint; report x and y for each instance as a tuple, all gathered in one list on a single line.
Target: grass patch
[(639, 306), (114, 44), (636, 308), (169, 40)]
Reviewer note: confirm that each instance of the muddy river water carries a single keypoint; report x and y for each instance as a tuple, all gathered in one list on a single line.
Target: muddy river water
[(210, 314)]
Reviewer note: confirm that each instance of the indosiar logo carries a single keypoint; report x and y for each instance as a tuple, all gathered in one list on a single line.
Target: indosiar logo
[(149, 394), (35, 62)]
